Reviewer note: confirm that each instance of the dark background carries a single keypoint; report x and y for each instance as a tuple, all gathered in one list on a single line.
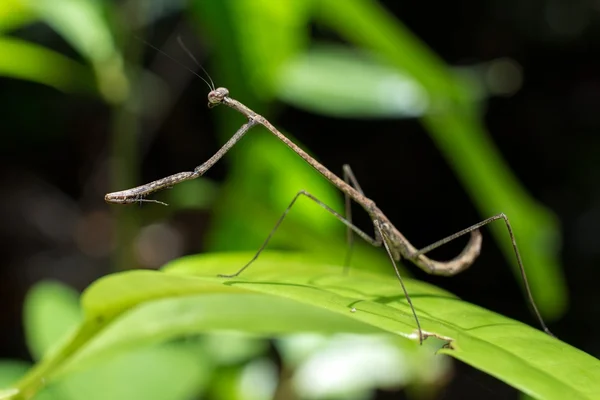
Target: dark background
[(54, 173)]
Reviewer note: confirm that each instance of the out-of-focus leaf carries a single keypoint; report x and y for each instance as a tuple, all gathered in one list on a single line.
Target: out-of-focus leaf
[(169, 372), (25, 60), (84, 25), (322, 300), (51, 310), (11, 371), (196, 194), (13, 14), (338, 81), (458, 131)]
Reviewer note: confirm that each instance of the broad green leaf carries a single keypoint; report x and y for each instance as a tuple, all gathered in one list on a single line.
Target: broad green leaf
[(285, 293), (51, 310), (25, 60), (338, 81), (458, 131)]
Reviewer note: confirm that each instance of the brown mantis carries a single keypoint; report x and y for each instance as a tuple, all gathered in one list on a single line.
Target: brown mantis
[(386, 235)]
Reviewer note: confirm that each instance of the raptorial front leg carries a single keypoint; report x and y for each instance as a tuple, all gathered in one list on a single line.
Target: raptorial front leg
[(349, 224)]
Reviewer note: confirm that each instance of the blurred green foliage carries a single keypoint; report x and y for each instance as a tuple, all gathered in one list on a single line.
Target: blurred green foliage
[(263, 52)]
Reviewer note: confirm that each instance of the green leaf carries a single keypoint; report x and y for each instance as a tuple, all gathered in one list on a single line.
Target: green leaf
[(24, 60), (285, 293), (13, 14), (51, 310), (342, 82)]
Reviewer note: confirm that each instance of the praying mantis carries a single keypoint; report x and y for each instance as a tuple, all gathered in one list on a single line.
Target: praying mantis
[(386, 234)]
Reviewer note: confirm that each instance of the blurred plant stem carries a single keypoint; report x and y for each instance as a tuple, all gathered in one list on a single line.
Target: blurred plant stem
[(124, 148), (125, 169)]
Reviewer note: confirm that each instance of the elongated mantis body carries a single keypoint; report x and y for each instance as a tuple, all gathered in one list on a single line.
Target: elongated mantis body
[(395, 244)]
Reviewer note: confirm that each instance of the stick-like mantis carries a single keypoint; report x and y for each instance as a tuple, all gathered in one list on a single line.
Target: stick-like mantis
[(395, 244)]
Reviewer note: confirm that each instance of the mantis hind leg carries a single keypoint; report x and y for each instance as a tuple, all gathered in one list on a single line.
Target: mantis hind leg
[(350, 179), (440, 271)]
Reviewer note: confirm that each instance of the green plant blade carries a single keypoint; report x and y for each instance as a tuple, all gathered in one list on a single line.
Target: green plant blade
[(35, 63), (282, 293)]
